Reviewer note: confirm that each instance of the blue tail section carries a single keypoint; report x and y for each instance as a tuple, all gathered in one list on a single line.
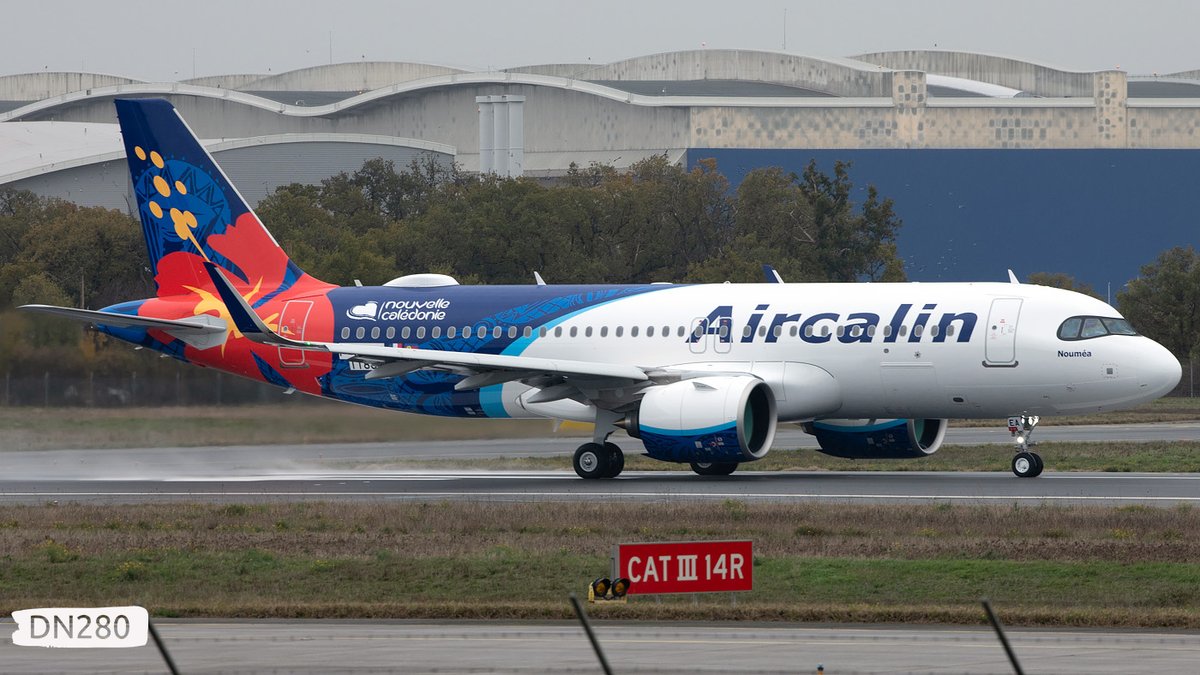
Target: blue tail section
[(186, 203)]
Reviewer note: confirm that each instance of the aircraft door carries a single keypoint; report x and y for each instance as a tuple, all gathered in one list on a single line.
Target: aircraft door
[(1000, 348), (291, 325), (698, 337), (705, 333)]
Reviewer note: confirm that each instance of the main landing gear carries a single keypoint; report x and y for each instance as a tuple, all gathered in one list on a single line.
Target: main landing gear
[(1025, 464), (598, 460)]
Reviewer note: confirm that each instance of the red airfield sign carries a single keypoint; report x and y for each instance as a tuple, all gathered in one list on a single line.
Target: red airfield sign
[(687, 567)]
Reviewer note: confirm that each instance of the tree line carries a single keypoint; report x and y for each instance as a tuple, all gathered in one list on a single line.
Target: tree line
[(654, 222)]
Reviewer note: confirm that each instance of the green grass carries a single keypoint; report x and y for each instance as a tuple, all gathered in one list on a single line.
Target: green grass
[(308, 422), (1128, 566)]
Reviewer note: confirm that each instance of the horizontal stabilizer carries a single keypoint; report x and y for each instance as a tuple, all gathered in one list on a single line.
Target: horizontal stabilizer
[(199, 324)]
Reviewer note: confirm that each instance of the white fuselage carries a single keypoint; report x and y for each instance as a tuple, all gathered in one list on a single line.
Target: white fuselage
[(946, 350)]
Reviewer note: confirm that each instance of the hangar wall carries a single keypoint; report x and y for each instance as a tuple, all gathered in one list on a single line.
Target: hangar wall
[(256, 170)]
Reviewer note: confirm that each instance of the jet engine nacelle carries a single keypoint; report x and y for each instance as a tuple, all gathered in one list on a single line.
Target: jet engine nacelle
[(706, 419), (878, 439)]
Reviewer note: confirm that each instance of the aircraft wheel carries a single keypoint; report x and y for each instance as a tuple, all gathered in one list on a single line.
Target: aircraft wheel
[(591, 460), (714, 468), (616, 460), (1040, 464), (1026, 465)]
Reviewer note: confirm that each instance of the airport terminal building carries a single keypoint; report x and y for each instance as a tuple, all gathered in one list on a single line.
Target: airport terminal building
[(993, 162)]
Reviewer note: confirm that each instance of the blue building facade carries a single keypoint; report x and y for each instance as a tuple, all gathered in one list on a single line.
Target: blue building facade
[(970, 214)]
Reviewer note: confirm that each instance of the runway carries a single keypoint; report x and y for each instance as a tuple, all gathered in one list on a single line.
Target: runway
[(897, 486), (369, 472), (250, 460), (462, 647)]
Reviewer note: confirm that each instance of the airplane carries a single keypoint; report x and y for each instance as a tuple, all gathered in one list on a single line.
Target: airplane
[(700, 374)]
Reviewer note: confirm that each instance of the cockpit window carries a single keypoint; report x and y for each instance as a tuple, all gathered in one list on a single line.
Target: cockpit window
[(1087, 327), (1119, 327), (1070, 328), (1092, 327)]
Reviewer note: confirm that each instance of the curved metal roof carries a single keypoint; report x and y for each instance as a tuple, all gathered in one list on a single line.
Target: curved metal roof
[(38, 148)]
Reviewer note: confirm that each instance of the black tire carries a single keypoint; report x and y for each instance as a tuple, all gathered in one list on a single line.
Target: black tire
[(616, 460), (714, 468), (1040, 465), (591, 461), (1026, 465)]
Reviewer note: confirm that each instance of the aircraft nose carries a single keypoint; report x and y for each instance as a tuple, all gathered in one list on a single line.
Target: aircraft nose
[(1159, 370)]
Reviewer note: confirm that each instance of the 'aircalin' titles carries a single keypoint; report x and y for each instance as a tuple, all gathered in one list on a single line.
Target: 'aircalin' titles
[(856, 327)]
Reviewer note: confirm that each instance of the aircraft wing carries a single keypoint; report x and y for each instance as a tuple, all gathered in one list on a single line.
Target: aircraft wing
[(481, 369)]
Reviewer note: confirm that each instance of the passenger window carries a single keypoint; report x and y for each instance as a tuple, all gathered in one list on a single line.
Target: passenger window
[(824, 331), (887, 331), (346, 333), (391, 333), (871, 330), (950, 330), (558, 331), (746, 331), (808, 331), (360, 332), (528, 332), (666, 331), (512, 332), (762, 331), (841, 330), (777, 331), (683, 330), (587, 332), (903, 331), (436, 332), (375, 333), (794, 330), (466, 331), (633, 331), (918, 329), (542, 332), (603, 331), (649, 331), (420, 332), (452, 332), (723, 331), (405, 332), (574, 331), (620, 330), (497, 332)]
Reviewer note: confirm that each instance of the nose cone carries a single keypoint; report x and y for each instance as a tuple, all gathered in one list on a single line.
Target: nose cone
[(1158, 370)]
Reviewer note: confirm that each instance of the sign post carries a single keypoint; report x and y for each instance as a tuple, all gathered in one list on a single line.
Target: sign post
[(686, 567)]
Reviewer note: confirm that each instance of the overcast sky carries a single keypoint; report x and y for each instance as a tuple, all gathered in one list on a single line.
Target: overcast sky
[(157, 40)]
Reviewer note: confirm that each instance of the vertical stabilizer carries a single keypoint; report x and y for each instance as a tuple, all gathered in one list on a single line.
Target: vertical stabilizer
[(187, 205)]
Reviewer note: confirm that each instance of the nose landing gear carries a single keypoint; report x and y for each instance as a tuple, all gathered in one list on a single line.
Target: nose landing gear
[(1025, 464)]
